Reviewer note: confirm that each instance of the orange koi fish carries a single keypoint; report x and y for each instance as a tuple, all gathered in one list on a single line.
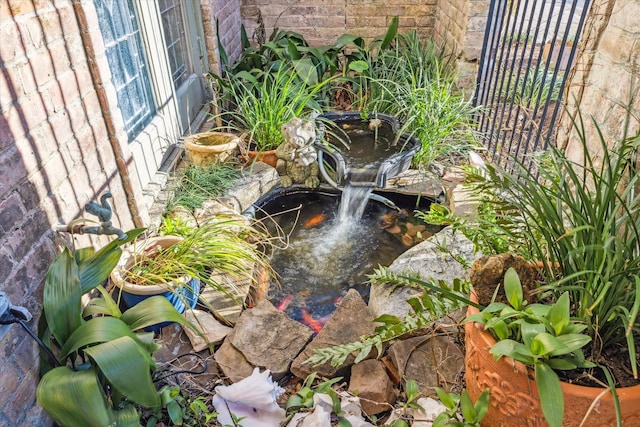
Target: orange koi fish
[(314, 220), (284, 303), (307, 319)]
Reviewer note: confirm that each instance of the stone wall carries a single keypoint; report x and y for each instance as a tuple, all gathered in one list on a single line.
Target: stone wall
[(323, 22), (605, 81), (55, 156)]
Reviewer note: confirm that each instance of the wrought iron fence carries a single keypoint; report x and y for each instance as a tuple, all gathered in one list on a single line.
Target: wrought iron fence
[(528, 49)]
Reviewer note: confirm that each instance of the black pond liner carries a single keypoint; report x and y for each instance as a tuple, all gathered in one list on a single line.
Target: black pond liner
[(354, 148), (324, 259)]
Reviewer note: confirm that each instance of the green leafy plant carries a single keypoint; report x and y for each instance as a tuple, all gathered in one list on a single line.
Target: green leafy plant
[(543, 336), (104, 365), (425, 310), (581, 220), (262, 102), (461, 404), (181, 410)]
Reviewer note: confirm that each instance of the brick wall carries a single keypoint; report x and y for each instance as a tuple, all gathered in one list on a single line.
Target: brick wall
[(55, 156), (460, 26), (322, 22), (227, 14), (606, 76)]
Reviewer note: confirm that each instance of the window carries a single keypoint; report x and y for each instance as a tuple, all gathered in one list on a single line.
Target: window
[(174, 34), (125, 55)]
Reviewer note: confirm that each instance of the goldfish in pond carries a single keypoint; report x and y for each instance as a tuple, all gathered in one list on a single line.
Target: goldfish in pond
[(284, 303), (314, 220), (315, 324)]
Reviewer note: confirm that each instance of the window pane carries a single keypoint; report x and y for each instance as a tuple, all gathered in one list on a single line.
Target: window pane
[(129, 72), (174, 34)]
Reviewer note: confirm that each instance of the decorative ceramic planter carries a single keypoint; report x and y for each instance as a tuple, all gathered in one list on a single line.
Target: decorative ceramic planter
[(211, 147), (514, 397), (182, 294)]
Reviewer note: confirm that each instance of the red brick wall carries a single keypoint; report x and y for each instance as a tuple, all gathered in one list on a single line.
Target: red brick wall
[(55, 156), (322, 22)]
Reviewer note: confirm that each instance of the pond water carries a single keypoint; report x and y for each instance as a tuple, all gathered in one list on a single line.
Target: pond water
[(327, 256)]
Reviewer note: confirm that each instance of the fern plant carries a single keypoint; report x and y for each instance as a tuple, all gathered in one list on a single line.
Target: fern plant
[(425, 310)]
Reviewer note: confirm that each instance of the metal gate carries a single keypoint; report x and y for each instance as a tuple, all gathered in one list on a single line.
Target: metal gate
[(528, 49)]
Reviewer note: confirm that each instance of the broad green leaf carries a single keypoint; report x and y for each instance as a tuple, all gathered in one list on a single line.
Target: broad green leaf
[(391, 33), (62, 296), (561, 364), (96, 331), (294, 401), (127, 368), (550, 391), (546, 344), (572, 342), (95, 269), (151, 311), (306, 71), (513, 288), (358, 66), (501, 330), (482, 405), (559, 315), (127, 417), (293, 50), (529, 331), (388, 318), (467, 408), (74, 398), (446, 399)]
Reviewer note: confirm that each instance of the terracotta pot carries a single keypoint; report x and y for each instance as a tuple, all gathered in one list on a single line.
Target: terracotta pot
[(211, 147), (268, 157), (514, 397), (181, 294)]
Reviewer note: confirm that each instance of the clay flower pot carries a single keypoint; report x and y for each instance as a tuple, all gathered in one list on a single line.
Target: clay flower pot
[(267, 156), (514, 397), (211, 147)]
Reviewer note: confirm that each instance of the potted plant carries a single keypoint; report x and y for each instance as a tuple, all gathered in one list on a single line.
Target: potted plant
[(261, 102), (178, 265), (101, 364), (581, 222)]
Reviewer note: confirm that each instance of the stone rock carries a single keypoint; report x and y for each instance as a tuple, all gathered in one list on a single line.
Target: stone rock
[(259, 179), (227, 306), (428, 259), (231, 362), (370, 382), (487, 273), (268, 338), (351, 320), (211, 208), (431, 361), (414, 181), (213, 331)]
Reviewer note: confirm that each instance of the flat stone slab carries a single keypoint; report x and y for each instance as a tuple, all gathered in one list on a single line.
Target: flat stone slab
[(429, 260), (226, 306), (231, 362), (370, 382), (430, 360), (268, 338)]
